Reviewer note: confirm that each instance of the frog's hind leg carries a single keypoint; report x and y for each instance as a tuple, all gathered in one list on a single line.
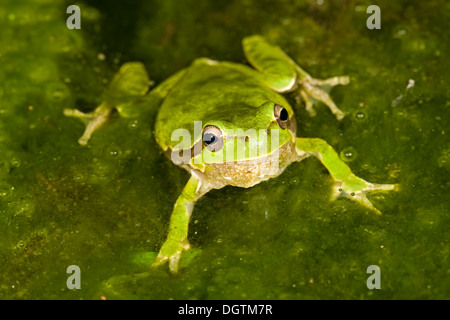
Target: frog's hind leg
[(278, 71), (275, 68)]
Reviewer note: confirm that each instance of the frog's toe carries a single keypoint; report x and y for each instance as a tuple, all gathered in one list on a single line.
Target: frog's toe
[(359, 194), (160, 260), (339, 115), (171, 252), (344, 80), (340, 80), (381, 187), (173, 260), (361, 198), (75, 113), (92, 120)]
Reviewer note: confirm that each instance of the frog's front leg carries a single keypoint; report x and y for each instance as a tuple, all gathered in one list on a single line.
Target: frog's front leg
[(346, 183), (129, 83), (128, 94), (177, 238)]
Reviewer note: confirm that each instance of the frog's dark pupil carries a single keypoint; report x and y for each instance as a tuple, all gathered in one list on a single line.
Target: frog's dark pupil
[(209, 138), (283, 115)]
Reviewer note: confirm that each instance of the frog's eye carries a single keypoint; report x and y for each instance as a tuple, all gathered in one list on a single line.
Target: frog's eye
[(212, 138), (281, 115)]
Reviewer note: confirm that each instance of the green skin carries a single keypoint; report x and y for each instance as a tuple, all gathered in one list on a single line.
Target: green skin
[(228, 96)]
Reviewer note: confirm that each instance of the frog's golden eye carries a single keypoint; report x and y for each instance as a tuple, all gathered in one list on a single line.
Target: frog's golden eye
[(281, 115), (212, 138)]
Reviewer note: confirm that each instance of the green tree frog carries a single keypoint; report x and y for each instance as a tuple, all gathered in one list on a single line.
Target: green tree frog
[(217, 104)]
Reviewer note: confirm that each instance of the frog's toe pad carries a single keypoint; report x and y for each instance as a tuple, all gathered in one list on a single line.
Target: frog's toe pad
[(186, 258), (344, 80), (177, 254), (173, 260)]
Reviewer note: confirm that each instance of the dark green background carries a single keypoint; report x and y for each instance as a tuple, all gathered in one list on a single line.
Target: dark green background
[(100, 206)]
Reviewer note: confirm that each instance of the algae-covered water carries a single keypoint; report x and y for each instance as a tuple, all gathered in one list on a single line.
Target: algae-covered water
[(100, 206)]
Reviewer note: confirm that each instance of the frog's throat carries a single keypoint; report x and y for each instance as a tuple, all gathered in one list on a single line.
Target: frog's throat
[(245, 173)]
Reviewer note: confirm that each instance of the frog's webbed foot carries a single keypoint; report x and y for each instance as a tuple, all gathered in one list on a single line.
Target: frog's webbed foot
[(171, 252), (311, 88), (93, 120), (356, 189)]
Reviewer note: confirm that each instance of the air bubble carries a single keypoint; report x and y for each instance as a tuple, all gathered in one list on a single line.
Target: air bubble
[(15, 162), (115, 152), (79, 178), (133, 124), (348, 154), (360, 116)]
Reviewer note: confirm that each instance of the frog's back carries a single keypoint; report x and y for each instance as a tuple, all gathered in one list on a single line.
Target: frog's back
[(209, 90)]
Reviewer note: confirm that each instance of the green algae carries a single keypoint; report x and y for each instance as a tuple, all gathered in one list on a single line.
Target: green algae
[(100, 206)]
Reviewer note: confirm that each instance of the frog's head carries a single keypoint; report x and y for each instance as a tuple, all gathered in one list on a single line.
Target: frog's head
[(248, 133)]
